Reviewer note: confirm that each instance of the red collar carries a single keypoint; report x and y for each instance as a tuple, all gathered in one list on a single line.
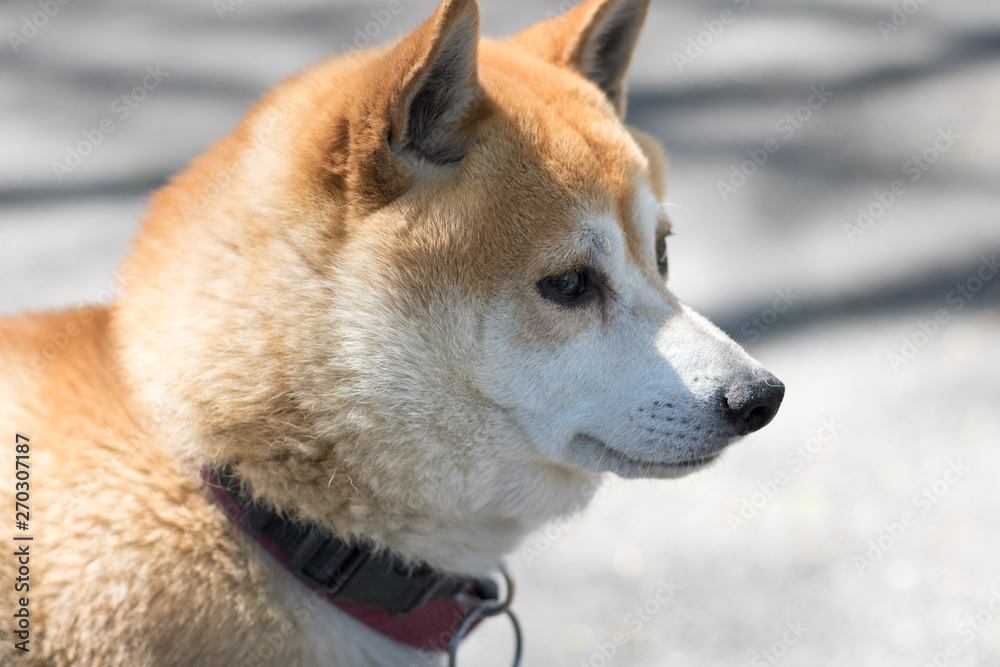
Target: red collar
[(414, 605)]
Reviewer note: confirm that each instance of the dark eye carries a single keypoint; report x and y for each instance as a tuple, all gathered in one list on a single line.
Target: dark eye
[(661, 253), (568, 289)]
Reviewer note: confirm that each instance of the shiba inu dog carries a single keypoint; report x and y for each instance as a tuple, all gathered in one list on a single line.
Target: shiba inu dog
[(398, 319)]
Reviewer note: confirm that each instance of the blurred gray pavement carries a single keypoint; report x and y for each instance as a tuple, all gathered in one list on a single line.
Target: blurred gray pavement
[(863, 526)]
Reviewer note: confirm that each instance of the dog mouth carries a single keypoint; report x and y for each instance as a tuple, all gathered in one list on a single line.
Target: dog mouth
[(604, 458)]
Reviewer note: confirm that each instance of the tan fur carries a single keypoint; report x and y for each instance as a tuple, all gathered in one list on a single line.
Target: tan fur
[(312, 301)]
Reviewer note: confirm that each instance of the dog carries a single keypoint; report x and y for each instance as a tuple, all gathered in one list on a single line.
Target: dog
[(402, 316)]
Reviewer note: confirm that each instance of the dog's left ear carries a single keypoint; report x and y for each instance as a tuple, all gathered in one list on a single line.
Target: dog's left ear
[(596, 38)]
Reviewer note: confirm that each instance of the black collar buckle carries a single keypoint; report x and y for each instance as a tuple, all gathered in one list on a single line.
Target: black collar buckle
[(354, 572)]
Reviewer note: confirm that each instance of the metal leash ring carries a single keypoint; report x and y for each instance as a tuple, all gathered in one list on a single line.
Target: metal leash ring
[(485, 610)]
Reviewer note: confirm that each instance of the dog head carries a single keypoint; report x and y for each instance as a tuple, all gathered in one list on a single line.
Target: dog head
[(424, 287)]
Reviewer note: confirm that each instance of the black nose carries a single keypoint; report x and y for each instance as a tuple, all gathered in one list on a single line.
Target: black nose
[(752, 401)]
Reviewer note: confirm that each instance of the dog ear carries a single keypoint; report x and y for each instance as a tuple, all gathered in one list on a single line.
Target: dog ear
[(440, 85), (419, 98), (596, 38)]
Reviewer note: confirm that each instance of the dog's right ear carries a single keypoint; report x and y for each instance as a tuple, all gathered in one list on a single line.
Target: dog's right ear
[(596, 39), (418, 101)]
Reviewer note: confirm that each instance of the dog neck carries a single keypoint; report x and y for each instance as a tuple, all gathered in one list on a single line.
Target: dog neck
[(411, 603), (464, 536)]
